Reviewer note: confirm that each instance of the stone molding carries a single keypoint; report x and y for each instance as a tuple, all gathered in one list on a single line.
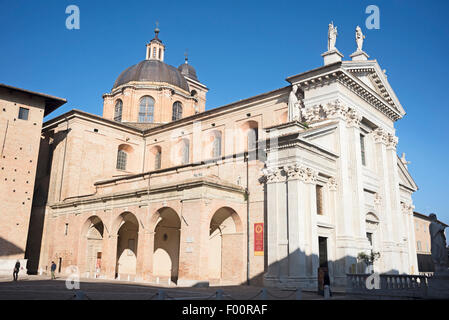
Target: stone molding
[(333, 110), (407, 208), (290, 172), (332, 184), (388, 139)]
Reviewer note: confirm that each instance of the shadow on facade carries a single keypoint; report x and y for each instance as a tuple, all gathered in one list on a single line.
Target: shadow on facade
[(8, 249), (40, 198)]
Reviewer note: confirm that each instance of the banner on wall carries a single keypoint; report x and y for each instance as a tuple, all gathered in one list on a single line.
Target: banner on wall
[(258, 239)]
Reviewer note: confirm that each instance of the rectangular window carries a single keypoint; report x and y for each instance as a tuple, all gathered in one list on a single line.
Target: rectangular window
[(23, 113), (66, 232), (369, 236), (319, 200), (362, 149)]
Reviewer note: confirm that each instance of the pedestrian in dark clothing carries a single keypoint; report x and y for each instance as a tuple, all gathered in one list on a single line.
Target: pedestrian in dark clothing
[(53, 269), (15, 273), (327, 282)]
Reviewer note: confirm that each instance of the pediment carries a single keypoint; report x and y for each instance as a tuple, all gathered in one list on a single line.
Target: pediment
[(373, 77), (405, 179)]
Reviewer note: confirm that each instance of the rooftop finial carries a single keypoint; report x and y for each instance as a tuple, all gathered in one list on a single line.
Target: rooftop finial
[(186, 55), (156, 31)]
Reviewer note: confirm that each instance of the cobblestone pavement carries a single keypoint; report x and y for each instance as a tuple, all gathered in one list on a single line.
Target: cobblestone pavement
[(41, 288)]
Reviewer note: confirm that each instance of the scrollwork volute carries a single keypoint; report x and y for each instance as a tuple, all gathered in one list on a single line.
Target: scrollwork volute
[(332, 184), (353, 118), (298, 172), (272, 175)]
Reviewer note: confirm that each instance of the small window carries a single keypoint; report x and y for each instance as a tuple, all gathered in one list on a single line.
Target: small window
[(23, 113), (319, 200), (66, 231), (418, 244), (118, 111), (177, 111), (185, 152), (216, 148), (362, 149), (121, 160), (157, 160), (369, 236)]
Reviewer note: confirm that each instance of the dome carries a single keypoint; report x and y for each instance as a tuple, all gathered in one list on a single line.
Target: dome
[(155, 71), (188, 71)]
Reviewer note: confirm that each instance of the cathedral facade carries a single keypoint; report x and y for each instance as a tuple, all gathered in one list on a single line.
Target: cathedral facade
[(266, 190)]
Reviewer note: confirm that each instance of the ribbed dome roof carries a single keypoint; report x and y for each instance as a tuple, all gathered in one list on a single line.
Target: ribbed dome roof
[(155, 71), (188, 71)]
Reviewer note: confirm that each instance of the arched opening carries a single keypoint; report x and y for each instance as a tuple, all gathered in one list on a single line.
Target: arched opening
[(225, 247), (146, 109), (122, 156), (177, 111), (212, 144), (127, 237), (372, 234), (93, 232), (166, 245), (184, 151), (156, 153), (118, 111)]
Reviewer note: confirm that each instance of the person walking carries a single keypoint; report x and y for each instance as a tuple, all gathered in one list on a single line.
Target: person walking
[(53, 270), (15, 273)]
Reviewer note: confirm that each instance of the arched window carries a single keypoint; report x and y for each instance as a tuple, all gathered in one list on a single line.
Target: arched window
[(177, 111), (216, 145), (185, 151), (146, 111), (118, 111), (121, 160), (252, 138), (157, 160)]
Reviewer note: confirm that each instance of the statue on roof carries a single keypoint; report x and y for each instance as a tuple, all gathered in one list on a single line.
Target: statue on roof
[(359, 37), (294, 112), (331, 37)]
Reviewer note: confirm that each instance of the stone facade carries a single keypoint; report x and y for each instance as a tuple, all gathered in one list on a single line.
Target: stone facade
[(176, 201), (21, 116)]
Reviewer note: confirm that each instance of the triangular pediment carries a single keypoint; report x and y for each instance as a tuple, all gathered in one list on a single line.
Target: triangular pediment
[(405, 179), (372, 76)]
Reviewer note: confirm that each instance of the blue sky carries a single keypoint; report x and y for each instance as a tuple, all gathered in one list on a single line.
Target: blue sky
[(240, 49)]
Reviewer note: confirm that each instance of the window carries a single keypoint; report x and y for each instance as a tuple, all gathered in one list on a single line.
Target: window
[(216, 147), (146, 110), (369, 236), (362, 149), (66, 232), (23, 113), (157, 160), (418, 245), (154, 52), (118, 111), (252, 138), (185, 152), (319, 200), (121, 160), (177, 111)]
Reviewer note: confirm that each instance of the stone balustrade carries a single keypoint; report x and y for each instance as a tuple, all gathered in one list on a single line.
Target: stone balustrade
[(390, 285)]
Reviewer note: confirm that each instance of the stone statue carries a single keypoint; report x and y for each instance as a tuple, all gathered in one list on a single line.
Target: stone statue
[(437, 244), (359, 37), (331, 37), (293, 105)]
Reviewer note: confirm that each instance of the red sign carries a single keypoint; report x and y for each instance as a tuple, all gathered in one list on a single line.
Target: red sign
[(258, 239)]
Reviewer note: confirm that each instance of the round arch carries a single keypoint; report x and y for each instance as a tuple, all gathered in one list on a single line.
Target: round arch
[(167, 235), (226, 247), (92, 235), (126, 227)]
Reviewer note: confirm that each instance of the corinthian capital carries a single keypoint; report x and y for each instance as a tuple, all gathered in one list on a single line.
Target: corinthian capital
[(353, 118), (380, 136), (272, 175), (332, 184), (336, 109), (392, 141), (298, 172)]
